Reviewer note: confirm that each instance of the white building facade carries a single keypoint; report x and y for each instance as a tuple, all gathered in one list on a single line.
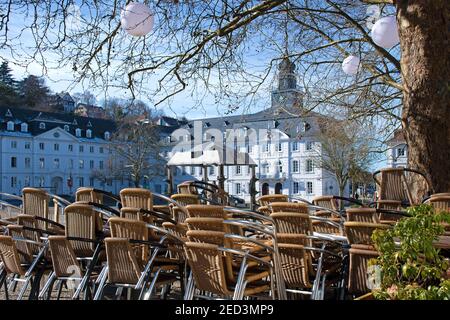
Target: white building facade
[(57, 152)]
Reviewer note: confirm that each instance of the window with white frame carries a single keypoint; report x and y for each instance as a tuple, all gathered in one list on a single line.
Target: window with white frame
[(41, 163), (41, 146), (88, 133), (107, 135), (309, 145), (91, 164), (280, 166), (238, 188), (10, 126), (70, 147), (81, 164), (81, 181), (66, 127), (56, 163), (13, 144), (295, 146), (81, 148), (100, 149), (238, 170), (78, 132), (13, 182), (71, 164), (279, 147), (295, 166), (266, 147), (309, 166), (91, 149), (192, 171), (295, 187), (56, 147), (211, 170), (101, 164), (401, 152), (42, 126), (265, 168), (24, 127), (27, 163), (27, 145), (309, 187), (13, 162)]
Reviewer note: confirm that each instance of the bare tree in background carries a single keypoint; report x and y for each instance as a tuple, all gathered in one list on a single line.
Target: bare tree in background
[(222, 48), (137, 142), (344, 150)]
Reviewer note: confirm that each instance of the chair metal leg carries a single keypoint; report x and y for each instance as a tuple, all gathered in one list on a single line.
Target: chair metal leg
[(102, 284), (24, 288), (3, 276), (60, 286), (47, 287), (84, 282), (148, 294), (36, 284), (190, 288)]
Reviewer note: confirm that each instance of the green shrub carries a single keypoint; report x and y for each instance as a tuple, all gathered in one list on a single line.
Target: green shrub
[(411, 268)]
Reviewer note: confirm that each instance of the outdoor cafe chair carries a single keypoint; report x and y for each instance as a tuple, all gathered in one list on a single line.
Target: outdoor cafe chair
[(130, 263), (362, 250), (264, 201), (136, 198), (395, 184)]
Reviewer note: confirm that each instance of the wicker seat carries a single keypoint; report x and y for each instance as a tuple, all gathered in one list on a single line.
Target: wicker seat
[(269, 198), (393, 184), (136, 198), (36, 203), (369, 215), (210, 273), (206, 211), (88, 195), (187, 188), (359, 235), (17, 262), (128, 263), (328, 202), (289, 207), (184, 200), (66, 267), (294, 223), (440, 202)]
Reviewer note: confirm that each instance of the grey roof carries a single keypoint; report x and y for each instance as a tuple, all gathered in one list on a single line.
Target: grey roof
[(285, 122), (34, 117)]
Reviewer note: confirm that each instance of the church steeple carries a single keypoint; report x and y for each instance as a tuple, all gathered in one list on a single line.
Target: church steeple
[(287, 79), (287, 95)]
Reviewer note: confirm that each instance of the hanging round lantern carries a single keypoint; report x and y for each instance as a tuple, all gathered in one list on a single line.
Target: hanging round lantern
[(350, 65), (385, 32), (137, 19)]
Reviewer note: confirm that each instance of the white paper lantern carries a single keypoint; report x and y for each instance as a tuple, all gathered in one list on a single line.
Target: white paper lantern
[(137, 19), (385, 32), (350, 65)]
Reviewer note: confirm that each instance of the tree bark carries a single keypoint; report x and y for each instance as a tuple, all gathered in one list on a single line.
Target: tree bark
[(424, 39)]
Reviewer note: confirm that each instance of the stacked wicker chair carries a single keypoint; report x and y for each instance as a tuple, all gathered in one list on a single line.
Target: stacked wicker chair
[(359, 235), (265, 200), (223, 262)]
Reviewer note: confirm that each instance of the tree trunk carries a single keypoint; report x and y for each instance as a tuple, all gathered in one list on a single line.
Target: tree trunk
[(424, 38)]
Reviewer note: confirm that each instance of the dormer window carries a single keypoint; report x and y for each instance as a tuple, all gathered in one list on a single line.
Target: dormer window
[(107, 135), (24, 127), (42, 126), (88, 133), (78, 132), (10, 126), (75, 123), (8, 113), (66, 128), (89, 124)]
